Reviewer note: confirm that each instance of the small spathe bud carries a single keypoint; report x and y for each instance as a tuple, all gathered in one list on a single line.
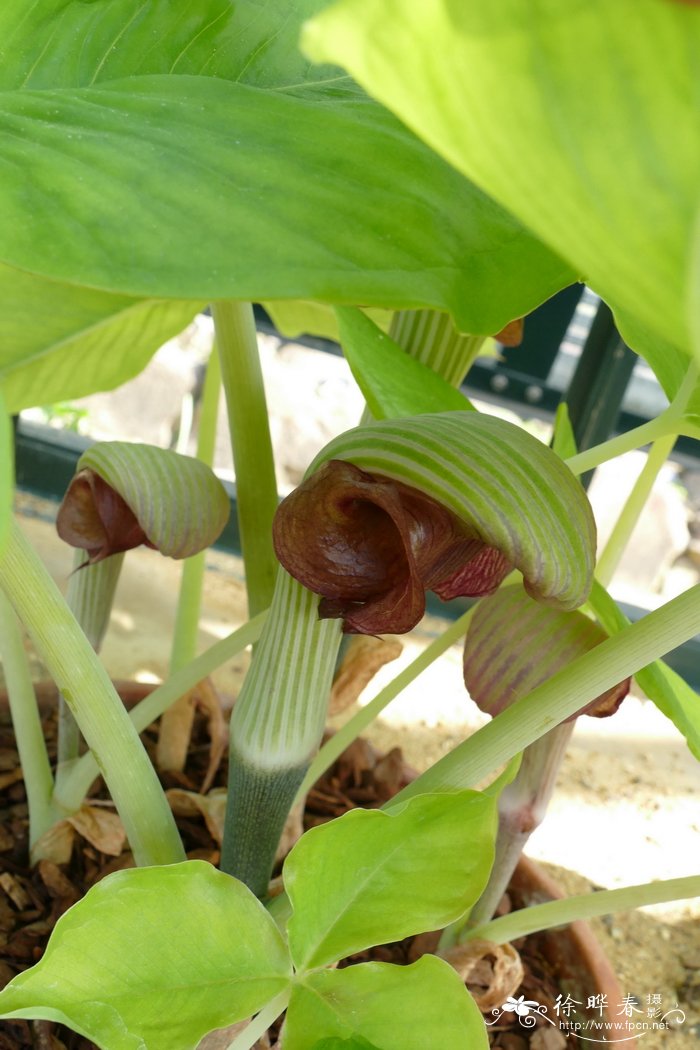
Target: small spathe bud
[(514, 644), (125, 495)]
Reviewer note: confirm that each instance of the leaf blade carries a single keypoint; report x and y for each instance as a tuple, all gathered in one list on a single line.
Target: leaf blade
[(78, 88), (61, 341), (486, 85), (94, 145), (382, 896), (394, 1007), (393, 383), (205, 936)]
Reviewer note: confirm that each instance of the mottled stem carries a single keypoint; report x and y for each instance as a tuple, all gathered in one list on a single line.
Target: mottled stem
[(521, 808)]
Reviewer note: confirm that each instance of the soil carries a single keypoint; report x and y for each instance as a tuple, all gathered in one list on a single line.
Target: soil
[(33, 899)]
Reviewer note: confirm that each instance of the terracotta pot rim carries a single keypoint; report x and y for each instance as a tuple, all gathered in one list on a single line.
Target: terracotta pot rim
[(586, 947)]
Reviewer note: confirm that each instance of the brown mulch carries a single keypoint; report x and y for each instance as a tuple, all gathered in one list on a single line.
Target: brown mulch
[(31, 900)]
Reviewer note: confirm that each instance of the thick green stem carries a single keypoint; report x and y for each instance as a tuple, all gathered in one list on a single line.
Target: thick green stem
[(176, 724), (152, 707), (561, 696), (26, 722), (586, 906), (90, 597), (256, 487), (98, 710), (356, 725), (258, 805), (521, 807), (277, 724), (184, 644), (629, 516)]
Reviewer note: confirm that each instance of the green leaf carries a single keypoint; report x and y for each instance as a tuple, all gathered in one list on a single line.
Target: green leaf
[(693, 288), (669, 364), (505, 777), (563, 440), (296, 317), (220, 165), (505, 92), (671, 693), (393, 383), (7, 472), (155, 957), (387, 875), (514, 492), (394, 1007), (248, 42), (354, 1043), (177, 500), (60, 341)]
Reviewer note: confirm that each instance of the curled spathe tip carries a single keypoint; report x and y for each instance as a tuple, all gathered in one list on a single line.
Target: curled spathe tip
[(372, 546), (95, 518)]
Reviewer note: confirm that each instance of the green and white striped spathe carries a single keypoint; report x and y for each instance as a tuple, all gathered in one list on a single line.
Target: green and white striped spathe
[(431, 337), (510, 488), (280, 714), (178, 501)]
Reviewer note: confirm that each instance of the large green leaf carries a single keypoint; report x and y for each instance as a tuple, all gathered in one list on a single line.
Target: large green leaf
[(668, 362), (354, 1043), (249, 41), (670, 366), (693, 288), (155, 957), (386, 876), (394, 1007), (7, 473), (671, 693), (394, 384), (60, 341), (218, 164), (579, 116), (295, 317)]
